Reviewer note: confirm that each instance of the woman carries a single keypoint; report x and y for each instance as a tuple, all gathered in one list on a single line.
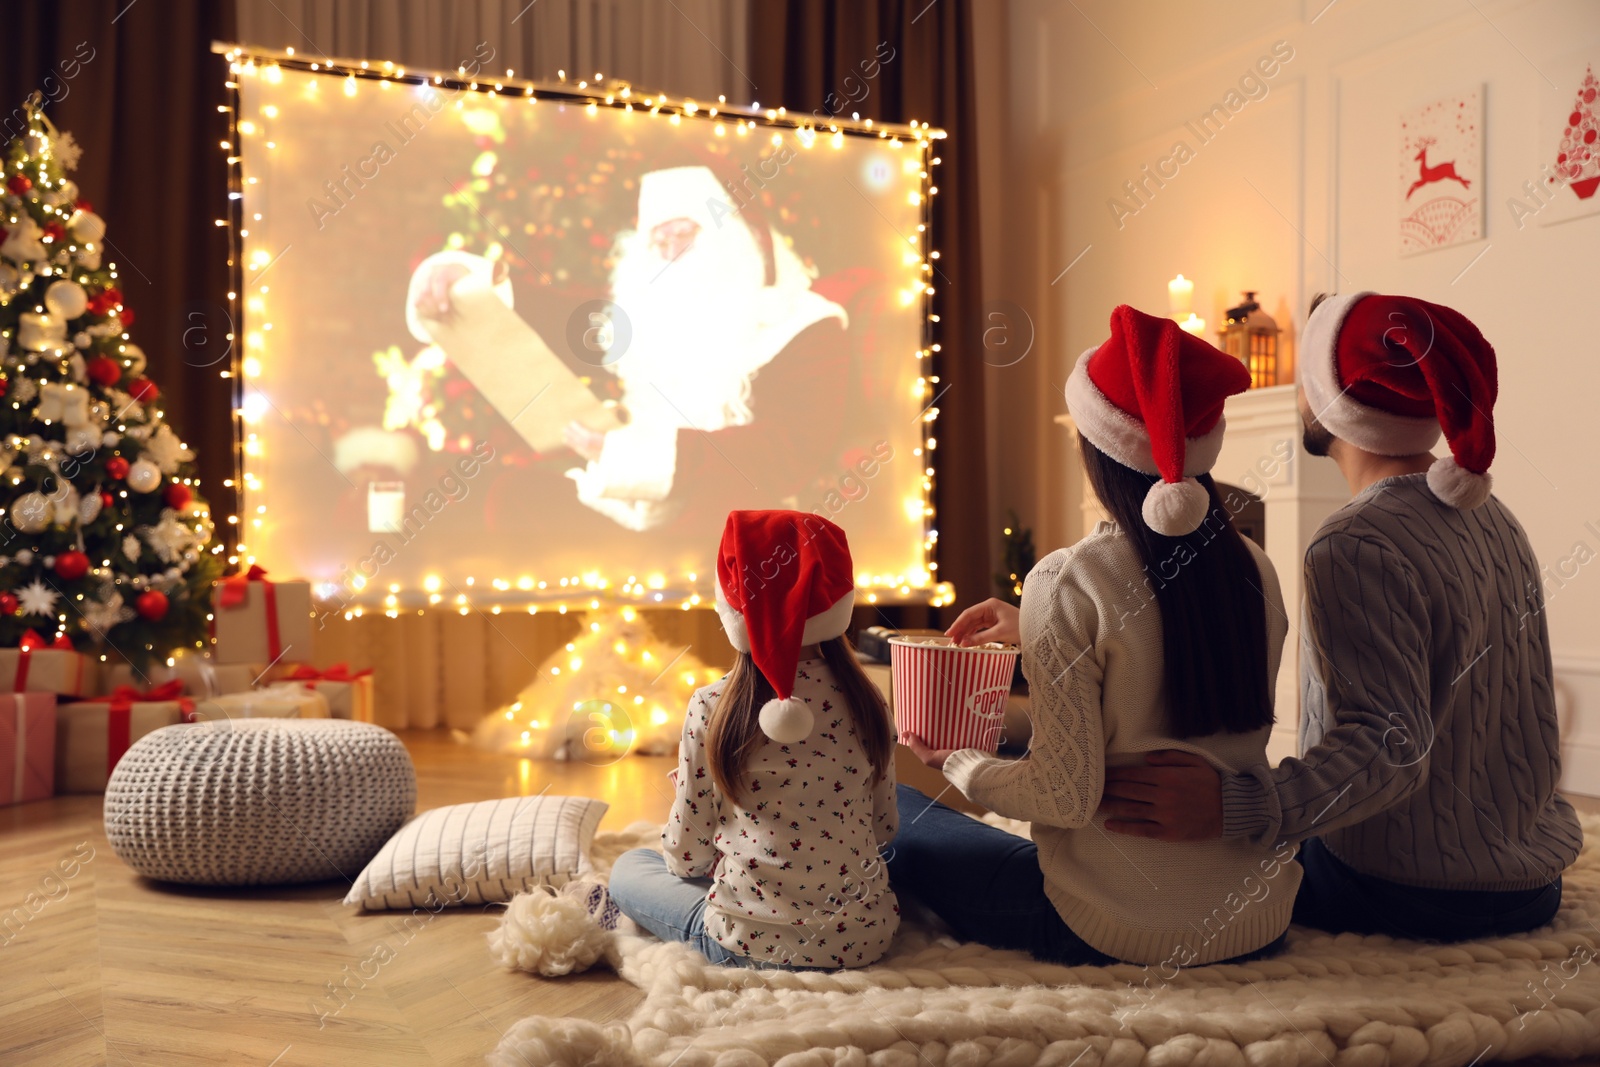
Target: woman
[(1161, 630)]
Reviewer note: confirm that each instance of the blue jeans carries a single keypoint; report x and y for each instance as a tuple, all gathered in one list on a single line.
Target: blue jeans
[(986, 884), (670, 907), (1339, 899)]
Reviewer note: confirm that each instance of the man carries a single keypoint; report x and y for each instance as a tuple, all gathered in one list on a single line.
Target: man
[(1425, 793), (705, 299)]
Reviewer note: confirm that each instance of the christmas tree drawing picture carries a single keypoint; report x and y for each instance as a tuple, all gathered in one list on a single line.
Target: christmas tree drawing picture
[(1578, 156), (104, 535)]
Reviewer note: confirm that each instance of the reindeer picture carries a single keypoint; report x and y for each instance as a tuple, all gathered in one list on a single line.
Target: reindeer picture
[(1436, 173), (1450, 130)]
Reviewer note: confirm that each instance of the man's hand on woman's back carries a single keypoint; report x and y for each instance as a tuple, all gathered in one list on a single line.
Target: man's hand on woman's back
[(1172, 796)]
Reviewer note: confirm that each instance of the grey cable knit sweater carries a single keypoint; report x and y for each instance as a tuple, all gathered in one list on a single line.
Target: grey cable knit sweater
[(1428, 736)]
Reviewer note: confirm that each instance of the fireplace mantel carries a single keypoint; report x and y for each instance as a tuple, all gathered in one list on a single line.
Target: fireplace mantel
[(1262, 454)]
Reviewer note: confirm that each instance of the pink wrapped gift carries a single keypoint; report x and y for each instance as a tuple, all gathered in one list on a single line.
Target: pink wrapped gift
[(27, 746), (40, 666), (257, 621)]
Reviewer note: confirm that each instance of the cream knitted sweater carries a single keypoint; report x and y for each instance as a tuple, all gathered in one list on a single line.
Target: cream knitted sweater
[(1092, 653)]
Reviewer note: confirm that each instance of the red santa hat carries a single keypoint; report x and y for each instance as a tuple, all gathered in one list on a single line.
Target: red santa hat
[(784, 581), (1151, 398), (1390, 373)]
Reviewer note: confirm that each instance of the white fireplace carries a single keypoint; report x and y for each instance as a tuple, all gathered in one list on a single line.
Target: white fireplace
[(1261, 454)]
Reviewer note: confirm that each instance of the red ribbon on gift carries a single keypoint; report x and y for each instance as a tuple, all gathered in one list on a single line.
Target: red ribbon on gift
[(339, 672), (31, 642), (232, 591), (119, 721)]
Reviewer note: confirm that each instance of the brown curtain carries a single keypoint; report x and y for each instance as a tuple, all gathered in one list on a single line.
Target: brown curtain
[(832, 55), (137, 86)]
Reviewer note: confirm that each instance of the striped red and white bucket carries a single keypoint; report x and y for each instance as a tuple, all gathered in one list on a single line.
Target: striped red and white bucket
[(949, 696)]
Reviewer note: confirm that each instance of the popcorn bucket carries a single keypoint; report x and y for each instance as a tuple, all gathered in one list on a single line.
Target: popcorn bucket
[(949, 696)]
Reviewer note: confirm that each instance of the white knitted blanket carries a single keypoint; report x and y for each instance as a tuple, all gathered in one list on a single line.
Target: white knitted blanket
[(1343, 1001)]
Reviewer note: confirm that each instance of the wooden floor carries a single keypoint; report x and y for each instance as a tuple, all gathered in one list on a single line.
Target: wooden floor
[(111, 969)]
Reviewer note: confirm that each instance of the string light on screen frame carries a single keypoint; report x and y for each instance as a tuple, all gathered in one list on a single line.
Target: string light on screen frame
[(251, 295)]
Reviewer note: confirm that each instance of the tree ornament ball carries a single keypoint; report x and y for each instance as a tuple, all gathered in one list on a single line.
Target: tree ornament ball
[(9, 604), (178, 496), (151, 605), (117, 467), (143, 389), (19, 184), (106, 499), (104, 371), (86, 225), (66, 299), (31, 512), (72, 565), (144, 476)]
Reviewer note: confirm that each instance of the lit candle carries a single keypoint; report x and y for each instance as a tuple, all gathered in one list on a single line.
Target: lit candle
[(1193, 324), (1180, 296)]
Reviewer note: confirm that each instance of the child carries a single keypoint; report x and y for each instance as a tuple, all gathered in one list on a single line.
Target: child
[(785, 780)]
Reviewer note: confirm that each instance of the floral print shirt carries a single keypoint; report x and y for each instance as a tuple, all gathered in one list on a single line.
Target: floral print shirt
[(797, 868)]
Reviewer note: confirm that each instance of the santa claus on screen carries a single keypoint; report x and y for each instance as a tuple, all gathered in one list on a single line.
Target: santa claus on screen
[(731, 365)]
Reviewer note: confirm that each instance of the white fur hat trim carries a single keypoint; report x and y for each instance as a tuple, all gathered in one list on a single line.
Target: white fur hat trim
[(1123, 437)]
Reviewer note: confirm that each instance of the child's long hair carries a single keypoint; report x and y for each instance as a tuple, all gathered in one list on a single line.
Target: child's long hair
[(734, 733)]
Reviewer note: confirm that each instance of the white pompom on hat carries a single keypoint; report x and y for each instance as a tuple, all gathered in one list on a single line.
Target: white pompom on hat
[(1151, 398), (1390, 373), (784, 581)]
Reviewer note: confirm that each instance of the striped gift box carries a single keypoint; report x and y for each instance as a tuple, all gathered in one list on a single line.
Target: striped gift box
[(951, 697)]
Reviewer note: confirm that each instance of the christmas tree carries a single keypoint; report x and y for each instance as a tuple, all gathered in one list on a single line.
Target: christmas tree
[(104, 533), (1578, 157)]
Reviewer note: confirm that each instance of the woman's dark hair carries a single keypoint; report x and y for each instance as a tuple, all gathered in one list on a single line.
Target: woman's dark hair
[(1213, 611), (734, 732)]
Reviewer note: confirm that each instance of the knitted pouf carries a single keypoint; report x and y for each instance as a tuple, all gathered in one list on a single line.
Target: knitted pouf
[(258, 801)]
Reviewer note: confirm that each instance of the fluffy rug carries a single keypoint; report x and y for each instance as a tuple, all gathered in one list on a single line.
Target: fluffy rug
[(1344, 1001)]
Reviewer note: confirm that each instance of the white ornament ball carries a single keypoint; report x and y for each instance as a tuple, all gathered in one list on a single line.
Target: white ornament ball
[(89, 506), (48, 561), (31, 512), (110, 438), (144, 476), (35, 142), (66, 299), (67, 191), (24, 556), (135, 357), (87, 227)]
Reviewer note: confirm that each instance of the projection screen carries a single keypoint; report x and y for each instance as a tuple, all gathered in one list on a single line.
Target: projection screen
[(516, 346)]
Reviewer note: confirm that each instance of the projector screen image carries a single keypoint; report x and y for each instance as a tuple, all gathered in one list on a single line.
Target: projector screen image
[(508, 349)]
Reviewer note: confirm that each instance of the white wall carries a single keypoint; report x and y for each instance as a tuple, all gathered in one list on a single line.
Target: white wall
[(1295, 196)]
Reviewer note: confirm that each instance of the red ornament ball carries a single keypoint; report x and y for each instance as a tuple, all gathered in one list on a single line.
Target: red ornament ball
[(72, 565), (54, 231), (177, 495), (4, 385), (19, 183), (106, 499), (83, 205), (117, 467), (143, 389), (126, 315), (105, 371), (8, 604), (152, 605)]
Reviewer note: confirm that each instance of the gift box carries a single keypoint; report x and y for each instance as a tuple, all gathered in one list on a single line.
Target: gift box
[(92, 735), (349, 693), (40, 666), (201, 676), (285, 700), (27, 746), (258, 621)]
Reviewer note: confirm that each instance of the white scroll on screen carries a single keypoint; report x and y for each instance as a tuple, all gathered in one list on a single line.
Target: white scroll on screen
[(516, 371)]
